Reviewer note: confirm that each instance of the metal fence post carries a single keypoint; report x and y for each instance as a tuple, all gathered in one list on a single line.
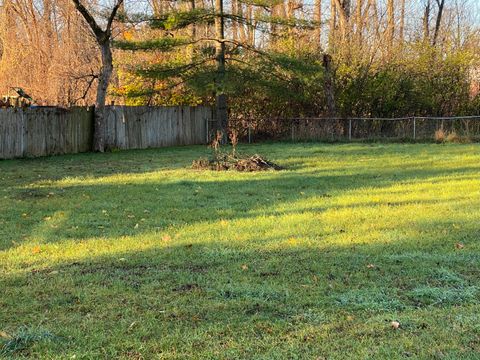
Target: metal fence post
[(249, 132), (349, 129), (207, 130), (414, 128)]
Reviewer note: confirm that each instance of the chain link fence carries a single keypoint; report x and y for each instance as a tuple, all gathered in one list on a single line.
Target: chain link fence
[(359, 129)]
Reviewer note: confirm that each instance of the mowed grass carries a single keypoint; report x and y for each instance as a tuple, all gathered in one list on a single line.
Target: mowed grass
[(133, 255)]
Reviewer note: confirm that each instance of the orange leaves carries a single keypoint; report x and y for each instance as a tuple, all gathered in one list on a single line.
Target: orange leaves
[(36, 250), (166, 238)]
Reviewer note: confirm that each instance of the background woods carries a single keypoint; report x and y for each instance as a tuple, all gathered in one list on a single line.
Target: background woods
[(269, 58)]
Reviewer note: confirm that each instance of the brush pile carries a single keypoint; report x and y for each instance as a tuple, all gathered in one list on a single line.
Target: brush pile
[(228, 162), (222, 161)]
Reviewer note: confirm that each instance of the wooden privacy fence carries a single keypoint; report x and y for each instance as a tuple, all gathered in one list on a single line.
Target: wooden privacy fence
[(41, 131)]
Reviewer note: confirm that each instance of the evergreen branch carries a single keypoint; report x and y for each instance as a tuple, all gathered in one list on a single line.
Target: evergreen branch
[(162, 72), (161, 44)]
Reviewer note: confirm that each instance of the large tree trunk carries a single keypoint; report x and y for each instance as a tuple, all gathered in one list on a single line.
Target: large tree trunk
[(220, 96), (100, 111), (103, 38)]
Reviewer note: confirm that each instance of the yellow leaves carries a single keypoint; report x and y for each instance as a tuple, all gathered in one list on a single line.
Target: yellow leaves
[(128, 35), (292, 241), (224, 222)]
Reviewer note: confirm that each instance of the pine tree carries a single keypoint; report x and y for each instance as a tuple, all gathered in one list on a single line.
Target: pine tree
[(207, 47)]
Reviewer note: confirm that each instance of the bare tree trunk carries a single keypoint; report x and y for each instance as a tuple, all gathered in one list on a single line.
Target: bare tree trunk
[(318, 25), (441, 4), (344, 10), (332, 25), (250, 26), (103, 38), (329, 85), (426, 22), (390, 26), (402, 23), (241, 27), (234, 20), (103, 81), (220, 96), (359, 21)]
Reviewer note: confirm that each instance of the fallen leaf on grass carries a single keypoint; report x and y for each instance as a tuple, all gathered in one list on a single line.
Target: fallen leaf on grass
[(4, 335), (244, 267), (36, 250), (166, 238), (371, 266), (395, 325), (459, 246)]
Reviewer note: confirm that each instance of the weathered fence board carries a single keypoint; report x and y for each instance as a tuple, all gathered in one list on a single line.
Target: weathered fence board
[(49, 131)]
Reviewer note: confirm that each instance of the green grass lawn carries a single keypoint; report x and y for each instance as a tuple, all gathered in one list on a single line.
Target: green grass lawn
[(133, 255)]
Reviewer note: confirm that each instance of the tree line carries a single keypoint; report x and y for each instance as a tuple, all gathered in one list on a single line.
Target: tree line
[(252, 59)]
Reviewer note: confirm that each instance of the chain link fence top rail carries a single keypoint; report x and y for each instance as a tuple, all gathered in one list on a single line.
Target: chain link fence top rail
[(354, 128)]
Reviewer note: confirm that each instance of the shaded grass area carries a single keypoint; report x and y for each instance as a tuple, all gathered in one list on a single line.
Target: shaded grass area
[(133, 255)]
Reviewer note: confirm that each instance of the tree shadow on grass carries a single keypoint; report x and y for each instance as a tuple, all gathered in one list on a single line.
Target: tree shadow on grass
[(184, 295)]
